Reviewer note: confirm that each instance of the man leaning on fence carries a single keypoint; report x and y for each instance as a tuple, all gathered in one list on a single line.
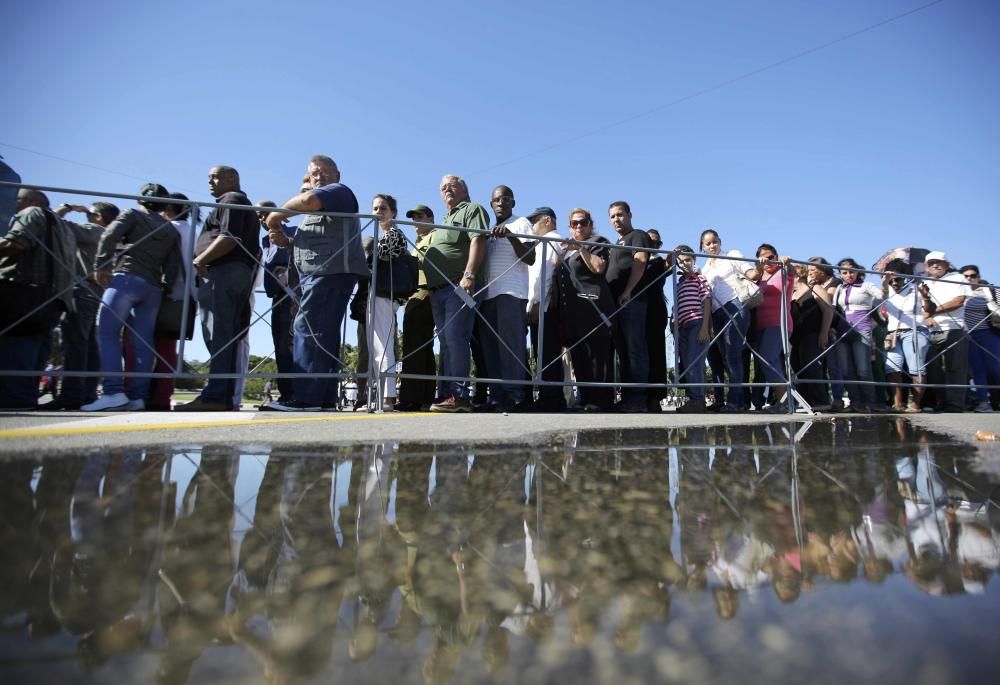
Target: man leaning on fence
[(36, 258), (328, 253), (226, 259), (451, 263)]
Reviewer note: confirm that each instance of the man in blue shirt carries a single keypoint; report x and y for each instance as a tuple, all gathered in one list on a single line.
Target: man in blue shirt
[(328, 254)]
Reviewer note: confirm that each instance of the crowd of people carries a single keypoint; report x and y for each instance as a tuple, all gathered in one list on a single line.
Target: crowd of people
[(594, 314)]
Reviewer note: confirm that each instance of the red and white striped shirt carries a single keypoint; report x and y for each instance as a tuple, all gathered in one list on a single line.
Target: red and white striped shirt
[(692, 291)]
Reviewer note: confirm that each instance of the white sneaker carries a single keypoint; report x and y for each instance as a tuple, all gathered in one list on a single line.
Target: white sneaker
[(136, 405), (984, 408), (118, 400)]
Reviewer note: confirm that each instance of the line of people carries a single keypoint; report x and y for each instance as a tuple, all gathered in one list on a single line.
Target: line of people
[(593, 313)]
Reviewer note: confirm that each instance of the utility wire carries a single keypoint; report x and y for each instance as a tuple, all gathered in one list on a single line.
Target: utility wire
[(709, 89), (83, 164)]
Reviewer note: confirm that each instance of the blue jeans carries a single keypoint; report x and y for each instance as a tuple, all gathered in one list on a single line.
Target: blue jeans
[(984, 358), (854, 356), (506, 357), (316, 345), (692, 355), (134, 299), (22, 353), (453, 320), (79, 332), (631, 348), (730, 345), (224, 300), (769, 347)]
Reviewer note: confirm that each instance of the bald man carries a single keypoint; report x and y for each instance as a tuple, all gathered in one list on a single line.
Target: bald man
[(226, 256), (36, 257)]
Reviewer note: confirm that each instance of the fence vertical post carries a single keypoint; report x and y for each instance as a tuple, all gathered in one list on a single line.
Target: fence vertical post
[(374, 382), (539, 334), (676, 330), (188, 283), (784, 337)]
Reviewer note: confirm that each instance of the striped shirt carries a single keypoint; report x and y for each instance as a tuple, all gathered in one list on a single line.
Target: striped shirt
[(692, 291), (977, 309)]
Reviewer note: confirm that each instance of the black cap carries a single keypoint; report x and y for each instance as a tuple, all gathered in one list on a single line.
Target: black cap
[(420, 209), (541, 211)]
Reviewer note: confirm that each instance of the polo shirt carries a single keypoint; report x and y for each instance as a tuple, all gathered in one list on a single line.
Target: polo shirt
[(953, 285), (620, 263), (448, 253), (240, 224)]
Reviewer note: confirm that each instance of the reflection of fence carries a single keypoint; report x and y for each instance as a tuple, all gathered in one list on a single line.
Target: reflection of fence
[(377, 372)]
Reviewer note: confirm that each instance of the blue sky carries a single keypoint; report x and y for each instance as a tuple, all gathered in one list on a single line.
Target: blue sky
[(885, 139)]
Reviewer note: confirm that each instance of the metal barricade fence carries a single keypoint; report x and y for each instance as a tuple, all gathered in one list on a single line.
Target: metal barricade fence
[(375, 376)]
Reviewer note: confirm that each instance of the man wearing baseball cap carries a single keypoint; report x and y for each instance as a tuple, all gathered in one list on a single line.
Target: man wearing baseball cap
[(418, 326), (948, 359)]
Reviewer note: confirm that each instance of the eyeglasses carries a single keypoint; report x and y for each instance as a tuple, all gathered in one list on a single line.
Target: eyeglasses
[(577, 223)]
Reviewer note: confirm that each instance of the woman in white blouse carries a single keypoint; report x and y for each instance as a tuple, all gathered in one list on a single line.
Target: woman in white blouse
[(856, 300), (728, 315)]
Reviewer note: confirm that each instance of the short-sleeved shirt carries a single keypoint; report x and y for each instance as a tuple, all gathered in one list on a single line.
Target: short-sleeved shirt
[(953, 285), (421, 244), (621, 261), (555, 252), (448, 254), (721, 275), (240, 224), (506, 274), (692, 291), (899, 310), (327, 245)]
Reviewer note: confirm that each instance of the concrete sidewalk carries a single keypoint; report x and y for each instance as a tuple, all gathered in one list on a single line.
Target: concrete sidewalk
[(60, 431)]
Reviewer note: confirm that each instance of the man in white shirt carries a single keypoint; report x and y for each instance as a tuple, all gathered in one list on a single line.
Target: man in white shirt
[(948, 359), (541, 298), (504, 307)]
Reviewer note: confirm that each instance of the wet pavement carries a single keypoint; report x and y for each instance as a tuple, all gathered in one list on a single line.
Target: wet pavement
[(832, 551)]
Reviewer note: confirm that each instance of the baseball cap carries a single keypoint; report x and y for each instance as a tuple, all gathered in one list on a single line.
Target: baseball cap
[(541, 211), (935, 256), (420, 209)]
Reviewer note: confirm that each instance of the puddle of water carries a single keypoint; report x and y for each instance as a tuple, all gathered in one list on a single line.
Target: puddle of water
[(846, 551)]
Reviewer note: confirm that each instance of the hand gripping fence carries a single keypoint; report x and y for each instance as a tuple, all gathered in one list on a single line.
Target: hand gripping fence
[(378, 372)]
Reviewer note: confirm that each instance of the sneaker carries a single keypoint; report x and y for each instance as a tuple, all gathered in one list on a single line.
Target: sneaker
[(295, 405), (983, 408), (198, 404), (136, 405), (118, 400), (452, 405)]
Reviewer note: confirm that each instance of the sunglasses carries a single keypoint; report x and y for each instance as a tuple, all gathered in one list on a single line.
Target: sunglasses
[(577, 223), (971, 275)]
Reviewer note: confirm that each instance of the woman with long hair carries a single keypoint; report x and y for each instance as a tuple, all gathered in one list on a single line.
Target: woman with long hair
[(856, 300), (769, 272), (391, 244)]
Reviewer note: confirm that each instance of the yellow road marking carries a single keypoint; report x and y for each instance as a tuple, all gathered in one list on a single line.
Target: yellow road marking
[(91, 430)]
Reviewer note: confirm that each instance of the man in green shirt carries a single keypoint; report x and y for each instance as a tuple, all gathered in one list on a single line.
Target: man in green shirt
[(450, 263), (418, 326)]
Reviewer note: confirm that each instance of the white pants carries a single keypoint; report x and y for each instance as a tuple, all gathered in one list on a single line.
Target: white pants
[(383, 349)]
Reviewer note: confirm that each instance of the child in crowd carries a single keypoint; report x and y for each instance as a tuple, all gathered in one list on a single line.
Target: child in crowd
[(693, 312)]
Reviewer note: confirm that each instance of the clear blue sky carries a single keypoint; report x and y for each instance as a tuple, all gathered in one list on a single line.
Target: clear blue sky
[(885, 139)]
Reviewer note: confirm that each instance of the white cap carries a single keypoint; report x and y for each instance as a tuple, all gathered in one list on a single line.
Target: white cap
[(937, 256)]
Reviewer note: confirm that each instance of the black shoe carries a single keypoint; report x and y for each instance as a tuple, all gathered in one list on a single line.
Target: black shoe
[(408, 406), (198, 404), (294, 406)]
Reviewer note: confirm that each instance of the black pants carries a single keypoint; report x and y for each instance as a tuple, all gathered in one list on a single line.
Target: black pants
[(552, 368), (418, 350)]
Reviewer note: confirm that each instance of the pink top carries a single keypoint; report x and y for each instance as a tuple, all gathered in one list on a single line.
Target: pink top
[(769, 310)]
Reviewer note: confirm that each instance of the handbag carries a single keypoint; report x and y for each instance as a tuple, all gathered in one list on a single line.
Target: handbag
[(396, 278), (32, 306), (748, 293), (168, 319)]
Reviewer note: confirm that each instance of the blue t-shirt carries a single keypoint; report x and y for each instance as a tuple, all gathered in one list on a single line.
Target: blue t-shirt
[(337, 197)]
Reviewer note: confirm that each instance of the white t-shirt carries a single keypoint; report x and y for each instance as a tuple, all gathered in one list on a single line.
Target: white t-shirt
[(554, 252), (505, 273), (899, 310), (721, 275), (954, 285)]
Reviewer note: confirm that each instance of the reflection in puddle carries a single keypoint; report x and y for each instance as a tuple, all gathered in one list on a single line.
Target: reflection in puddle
[(859, 550)]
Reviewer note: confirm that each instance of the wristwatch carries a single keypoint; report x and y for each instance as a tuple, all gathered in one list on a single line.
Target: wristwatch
[(469, 274)]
